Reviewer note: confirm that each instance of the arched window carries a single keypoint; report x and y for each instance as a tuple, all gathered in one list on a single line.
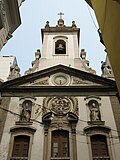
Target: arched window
[(99, 147), (60, 47), (20, 147), (60, 144)]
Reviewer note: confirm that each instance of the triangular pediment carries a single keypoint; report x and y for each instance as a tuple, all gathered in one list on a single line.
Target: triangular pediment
[(61, 79), (59, 76)]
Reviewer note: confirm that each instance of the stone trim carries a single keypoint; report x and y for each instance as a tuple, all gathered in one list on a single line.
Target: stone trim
[(17, 131), (97, 129), (100, 130)]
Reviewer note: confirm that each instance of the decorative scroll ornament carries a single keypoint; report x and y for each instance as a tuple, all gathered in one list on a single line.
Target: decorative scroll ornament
[(60, 105)]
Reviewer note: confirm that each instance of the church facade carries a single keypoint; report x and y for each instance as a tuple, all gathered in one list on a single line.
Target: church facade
[(60, 109)]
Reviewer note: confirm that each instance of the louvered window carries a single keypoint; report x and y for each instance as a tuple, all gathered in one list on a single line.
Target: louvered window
[(99, 147), (20, 148), (60, 145)]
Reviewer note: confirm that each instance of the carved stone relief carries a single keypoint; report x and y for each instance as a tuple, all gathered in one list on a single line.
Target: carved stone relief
[(14, 72), (60, 105), (44, 81), (106, 70), (78, 81), (38, 111), (60, 79)]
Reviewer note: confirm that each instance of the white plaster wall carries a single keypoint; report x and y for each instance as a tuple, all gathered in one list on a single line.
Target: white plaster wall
[(108, 117), (10, 122), (72, 57), (82, 147), (48, 49), (38, 140), (83, 151)]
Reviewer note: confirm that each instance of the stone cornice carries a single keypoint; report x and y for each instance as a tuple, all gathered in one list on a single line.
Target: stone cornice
[(57, 90), (60, 29)]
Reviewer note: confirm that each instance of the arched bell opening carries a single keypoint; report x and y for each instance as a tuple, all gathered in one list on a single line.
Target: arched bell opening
[(60, 47)]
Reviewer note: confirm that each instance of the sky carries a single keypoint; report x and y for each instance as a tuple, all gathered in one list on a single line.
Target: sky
[(34, 14)]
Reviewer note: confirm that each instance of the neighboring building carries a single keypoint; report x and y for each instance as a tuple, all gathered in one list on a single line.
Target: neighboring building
[(59, 110), (20, 2), (8, 66), (9, 19), (108, 14)]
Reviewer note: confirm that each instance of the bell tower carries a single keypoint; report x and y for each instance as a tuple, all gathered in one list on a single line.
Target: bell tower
[(60, 46)]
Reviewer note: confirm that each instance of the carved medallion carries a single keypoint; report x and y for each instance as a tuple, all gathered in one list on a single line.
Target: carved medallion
[(60, 105), (60, 79)]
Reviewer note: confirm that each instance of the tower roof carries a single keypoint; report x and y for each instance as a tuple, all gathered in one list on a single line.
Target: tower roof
[(60, 27)]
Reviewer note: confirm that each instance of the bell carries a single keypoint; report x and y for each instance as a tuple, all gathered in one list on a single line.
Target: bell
[(60, 49)]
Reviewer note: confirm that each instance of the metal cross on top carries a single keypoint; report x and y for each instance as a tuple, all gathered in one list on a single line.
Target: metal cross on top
[(60, 14)]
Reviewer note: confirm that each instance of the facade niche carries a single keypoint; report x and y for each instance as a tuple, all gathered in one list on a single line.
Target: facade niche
[(26, 111), (94, 110), (60, 47)]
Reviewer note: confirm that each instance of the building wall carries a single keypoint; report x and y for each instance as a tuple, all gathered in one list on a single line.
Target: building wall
[(20, 2), (48, 51), (38, 138), (9, 19), (108, 15)]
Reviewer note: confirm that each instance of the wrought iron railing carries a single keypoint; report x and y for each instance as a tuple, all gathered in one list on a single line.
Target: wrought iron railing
[(60, 158), (19, 158), (101, 158)]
